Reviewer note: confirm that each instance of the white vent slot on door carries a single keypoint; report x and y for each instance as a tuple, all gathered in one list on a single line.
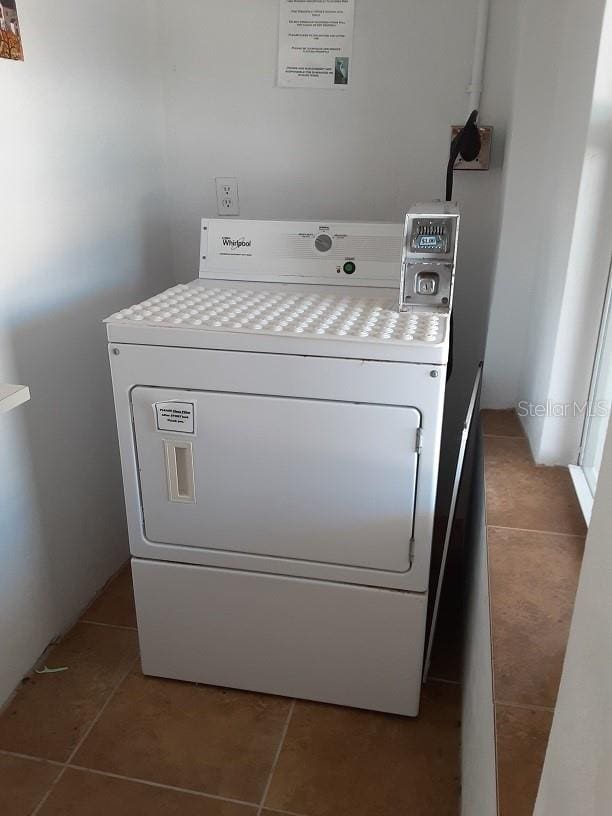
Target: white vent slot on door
[(179, 471)]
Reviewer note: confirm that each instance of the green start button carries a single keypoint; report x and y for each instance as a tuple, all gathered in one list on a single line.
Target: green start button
[(349, 267)]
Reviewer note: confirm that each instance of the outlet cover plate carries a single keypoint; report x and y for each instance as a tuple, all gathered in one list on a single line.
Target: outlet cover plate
[(483, 160), (228, 202)]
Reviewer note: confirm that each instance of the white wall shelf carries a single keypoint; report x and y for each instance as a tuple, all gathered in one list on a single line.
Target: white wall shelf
[(13, 395)]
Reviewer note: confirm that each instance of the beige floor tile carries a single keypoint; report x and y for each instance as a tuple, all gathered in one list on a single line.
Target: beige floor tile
[(197, 737), (80, 792), (115, 605), (534, 577), (520, 494), (345, 762), (51, 712), (501, 423), (23, 783), (522, 737)]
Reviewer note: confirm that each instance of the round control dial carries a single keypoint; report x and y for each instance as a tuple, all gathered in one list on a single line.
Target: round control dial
[(323, 243), (349, 267)]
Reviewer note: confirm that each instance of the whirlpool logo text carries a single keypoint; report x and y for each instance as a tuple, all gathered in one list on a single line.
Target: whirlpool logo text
[(235, 243)]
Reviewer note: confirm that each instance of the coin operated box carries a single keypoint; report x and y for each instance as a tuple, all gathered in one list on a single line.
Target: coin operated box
[(429, 256)]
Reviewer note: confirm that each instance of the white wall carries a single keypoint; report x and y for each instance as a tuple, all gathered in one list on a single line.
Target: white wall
[(556, 243), (572, 313), (365, 153), (559, 341), (576, 777), (81, 234), (526, 193)]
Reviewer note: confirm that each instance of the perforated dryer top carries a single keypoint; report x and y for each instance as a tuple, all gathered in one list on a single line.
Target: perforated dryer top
[(286, 319)]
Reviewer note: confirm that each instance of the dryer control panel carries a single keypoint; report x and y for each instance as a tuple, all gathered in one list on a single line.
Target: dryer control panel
[(429, 255), (311, 252)]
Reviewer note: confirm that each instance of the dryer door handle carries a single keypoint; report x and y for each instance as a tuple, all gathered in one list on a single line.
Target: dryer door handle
[(179, 471)]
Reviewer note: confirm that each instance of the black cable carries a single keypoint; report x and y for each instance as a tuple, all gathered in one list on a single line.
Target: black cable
[(466, 143)]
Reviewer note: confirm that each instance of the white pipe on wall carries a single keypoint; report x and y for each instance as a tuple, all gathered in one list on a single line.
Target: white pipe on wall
[(480, 50)]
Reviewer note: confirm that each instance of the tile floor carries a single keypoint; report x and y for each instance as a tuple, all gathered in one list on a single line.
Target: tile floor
[(535, 537), (101, 738)]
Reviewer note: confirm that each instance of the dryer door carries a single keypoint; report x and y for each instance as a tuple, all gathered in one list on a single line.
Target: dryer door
[(331, 482)]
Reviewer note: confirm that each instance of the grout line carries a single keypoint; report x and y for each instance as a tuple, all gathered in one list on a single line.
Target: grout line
[(153, 784), (84, 737), (102, 710), (32, 758), (49, 791), (276, 757), (108, 625), (540, 532), (431, 679), (527, 706), (101, 591), (84, 769)]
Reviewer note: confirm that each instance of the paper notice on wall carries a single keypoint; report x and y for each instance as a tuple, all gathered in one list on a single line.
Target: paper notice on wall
[(315, 43)]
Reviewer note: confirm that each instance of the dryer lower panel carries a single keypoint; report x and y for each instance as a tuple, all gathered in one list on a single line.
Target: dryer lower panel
[(336, 643)]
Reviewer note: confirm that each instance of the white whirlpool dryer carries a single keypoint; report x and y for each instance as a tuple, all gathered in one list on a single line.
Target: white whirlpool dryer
[(279, 422)]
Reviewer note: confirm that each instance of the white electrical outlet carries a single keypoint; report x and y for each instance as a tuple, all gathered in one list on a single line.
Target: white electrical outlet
[(227, 196)]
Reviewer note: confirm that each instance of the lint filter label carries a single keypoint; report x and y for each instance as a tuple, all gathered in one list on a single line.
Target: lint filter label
[(175, 416)]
